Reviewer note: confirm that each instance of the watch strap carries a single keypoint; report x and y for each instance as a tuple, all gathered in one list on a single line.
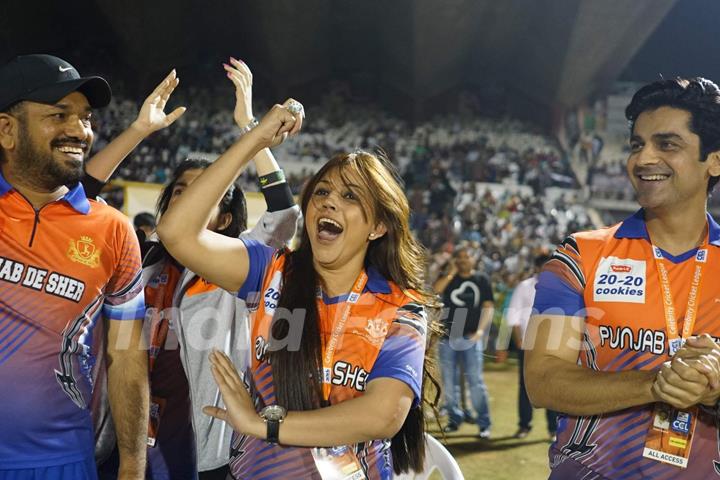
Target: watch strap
[(273, 431)]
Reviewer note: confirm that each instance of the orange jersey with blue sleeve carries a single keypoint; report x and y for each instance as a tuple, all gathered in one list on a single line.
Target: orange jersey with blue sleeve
[(384, 337), (61, 267), (610, 278)]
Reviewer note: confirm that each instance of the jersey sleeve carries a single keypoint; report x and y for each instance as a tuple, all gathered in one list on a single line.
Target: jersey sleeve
[(124, 298), (561, 284), (403, 353), (259, 256)]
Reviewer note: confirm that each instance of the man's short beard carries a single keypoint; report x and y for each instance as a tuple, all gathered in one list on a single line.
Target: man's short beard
[(46, 173)]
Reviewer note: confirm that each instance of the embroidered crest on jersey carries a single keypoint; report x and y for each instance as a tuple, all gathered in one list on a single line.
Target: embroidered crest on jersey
[(375, 331), (620, 280), (83, 251)]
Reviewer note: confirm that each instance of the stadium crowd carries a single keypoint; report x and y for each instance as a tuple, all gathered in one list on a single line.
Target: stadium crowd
[(475, 149), (504, 231), (441, 161)]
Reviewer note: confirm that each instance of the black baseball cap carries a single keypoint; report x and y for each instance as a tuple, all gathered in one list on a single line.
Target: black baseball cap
[(47, 79)]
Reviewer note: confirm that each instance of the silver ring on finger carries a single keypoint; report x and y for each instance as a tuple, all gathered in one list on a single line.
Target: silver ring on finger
[(296, 108)]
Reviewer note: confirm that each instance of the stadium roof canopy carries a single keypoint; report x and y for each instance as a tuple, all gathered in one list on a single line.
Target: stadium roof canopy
[(554, 52)]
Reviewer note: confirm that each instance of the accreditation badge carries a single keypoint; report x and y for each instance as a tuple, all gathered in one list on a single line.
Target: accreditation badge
[(674, 345), (157, 405), (338, 463), (669, 438)]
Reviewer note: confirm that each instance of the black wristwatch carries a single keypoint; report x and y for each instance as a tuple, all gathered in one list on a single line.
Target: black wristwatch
[(273, 416)]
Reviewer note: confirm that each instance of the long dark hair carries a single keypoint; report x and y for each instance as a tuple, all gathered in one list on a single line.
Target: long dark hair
[(233, 202), (397, 256)]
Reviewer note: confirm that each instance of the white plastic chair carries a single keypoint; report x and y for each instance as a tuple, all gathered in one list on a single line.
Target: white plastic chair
[(437, 458)]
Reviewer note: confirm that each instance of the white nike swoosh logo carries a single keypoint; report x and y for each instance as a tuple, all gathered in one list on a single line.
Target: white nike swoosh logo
[(65, 69)]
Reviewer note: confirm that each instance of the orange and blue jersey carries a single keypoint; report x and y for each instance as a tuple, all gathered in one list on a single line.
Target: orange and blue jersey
[(384, 337), (62, 267), (609, 277)]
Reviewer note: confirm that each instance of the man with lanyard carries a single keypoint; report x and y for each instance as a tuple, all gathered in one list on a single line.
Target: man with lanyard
[(468, 300), (623, 340), (65, 264)]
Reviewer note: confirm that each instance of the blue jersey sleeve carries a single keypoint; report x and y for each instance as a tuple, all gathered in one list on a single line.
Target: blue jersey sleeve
[(554, 296), (259, 255), (403, 353), (124, 296)]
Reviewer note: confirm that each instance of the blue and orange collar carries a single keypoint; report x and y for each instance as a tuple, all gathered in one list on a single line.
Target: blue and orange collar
[(634, 227), (75, 197)]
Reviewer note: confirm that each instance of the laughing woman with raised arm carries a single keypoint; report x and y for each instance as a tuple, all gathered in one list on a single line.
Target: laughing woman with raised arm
[(339, 328)]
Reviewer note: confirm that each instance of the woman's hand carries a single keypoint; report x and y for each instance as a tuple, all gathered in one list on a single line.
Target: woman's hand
[(152, 115), (240, 412), (241, 76), (278, 123)]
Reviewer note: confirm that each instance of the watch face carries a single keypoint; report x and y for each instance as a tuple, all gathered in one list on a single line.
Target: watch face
[(273, 412)]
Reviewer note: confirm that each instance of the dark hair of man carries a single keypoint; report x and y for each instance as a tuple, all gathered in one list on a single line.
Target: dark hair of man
[(18, 111), (233, 202), (698, 96), (397, 256)]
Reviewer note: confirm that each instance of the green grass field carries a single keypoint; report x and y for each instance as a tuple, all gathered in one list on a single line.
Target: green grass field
[(502, 457)]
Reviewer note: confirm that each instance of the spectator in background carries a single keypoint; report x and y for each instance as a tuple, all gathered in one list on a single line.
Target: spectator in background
[(144, 223), (468, 311), (518, 316)]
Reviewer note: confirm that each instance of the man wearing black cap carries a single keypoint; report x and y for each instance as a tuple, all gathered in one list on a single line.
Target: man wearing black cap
[(65, 262)]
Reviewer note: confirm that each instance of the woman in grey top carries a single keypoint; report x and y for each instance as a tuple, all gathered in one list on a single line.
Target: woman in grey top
[(187, 316)]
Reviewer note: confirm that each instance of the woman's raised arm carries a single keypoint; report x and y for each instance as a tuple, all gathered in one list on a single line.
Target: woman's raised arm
[(151, 118), (219, 259)]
